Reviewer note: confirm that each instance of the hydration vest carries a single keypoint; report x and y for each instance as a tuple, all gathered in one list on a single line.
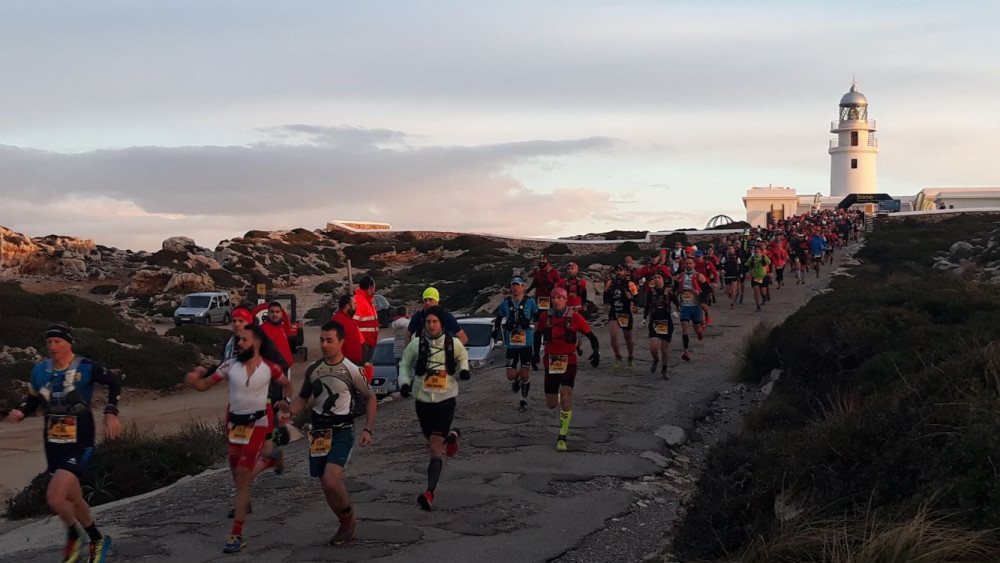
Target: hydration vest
[(569, 335), (573, 286), (515, 315), (424, 352)]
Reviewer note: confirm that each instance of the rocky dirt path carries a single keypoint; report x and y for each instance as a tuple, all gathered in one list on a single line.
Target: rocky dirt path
[(507, 495)]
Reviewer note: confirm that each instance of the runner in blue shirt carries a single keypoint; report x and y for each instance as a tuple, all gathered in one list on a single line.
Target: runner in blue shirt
[(513, 321)]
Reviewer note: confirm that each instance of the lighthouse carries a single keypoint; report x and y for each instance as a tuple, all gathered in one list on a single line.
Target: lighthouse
[(853, 152)]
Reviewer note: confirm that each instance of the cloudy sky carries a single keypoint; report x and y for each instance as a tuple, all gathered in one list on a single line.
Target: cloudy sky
[(128, 122)]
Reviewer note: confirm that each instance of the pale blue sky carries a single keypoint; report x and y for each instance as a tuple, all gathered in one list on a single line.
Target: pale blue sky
[(131, 121)]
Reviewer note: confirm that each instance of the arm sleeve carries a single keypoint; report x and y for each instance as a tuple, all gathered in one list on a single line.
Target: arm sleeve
[(113, 381), (406, 363), (29, 404), (461, 356)]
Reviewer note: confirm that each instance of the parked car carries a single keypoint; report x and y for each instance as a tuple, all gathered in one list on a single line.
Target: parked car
[(386, 378), (204, 308), (483, 350)]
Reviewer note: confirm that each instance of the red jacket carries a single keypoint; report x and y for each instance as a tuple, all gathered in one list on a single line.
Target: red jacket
[(367, 317), (278, 333), (352, 337)]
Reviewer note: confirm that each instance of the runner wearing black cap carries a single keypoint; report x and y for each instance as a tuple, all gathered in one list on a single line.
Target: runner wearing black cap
[(63, 386), (620, 295)]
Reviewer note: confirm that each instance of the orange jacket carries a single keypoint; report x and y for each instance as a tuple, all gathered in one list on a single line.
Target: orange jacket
[(367, 316)]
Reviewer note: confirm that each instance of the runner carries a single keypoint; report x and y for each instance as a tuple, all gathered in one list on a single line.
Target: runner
[(63, 386), (619, 294), (732, 269), (817, 246), (434, 358), (688, 288), (780, 256), (334, 386), (249, 418), (513, 323), (759, 280), (707, 296), (544, 279), (558, 328), (660, 320), (432, 298), (800, 258), (576, 289)]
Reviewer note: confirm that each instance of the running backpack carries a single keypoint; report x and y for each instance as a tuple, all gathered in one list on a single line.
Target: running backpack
[(519, 320), (424, 353), (569, 335)]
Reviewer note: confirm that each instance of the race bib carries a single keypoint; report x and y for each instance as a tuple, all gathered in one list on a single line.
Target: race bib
[(558, 364), (758, 280), (319, 442), (661, 327), (544, 303), (623, 320), (240, 434), (436, 382), (688, 295), (518, 339), (60, 429)]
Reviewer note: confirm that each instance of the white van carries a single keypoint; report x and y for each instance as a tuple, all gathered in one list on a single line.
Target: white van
[(204, 308)]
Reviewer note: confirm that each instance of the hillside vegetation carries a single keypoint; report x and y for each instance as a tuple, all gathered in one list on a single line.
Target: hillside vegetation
[(881, 439)]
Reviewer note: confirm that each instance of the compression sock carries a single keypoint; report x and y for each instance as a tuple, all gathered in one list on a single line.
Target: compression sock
[(564, 418), (73, 532), (237, 527), (525, 386), (686, 339), (92, 532), (433, 473)]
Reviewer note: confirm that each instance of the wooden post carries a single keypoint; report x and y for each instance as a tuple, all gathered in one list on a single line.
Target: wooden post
[(350, 278)]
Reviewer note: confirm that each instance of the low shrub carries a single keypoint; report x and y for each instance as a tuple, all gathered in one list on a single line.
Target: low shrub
[(628, 246), (209, 340), (135, 463), (104, 289), (557, 248), (318, 316)]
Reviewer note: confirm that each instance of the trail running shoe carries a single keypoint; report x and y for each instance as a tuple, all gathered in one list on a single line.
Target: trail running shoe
[(451, 442), (686, 356), (71, 552), (426, 500), (758, 308), (631, 363), (348, 527), (235, 544), (515, 385), (618, 363), (656, 362), (523, 406), (663, 372), (561, 444), (277, 457), (99, 549), (700, 333), (741, 299)]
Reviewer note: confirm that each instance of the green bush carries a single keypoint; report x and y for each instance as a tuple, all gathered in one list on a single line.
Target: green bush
[(557, 248), (135, 463), (209, 339), (888, 404), (628, 246)]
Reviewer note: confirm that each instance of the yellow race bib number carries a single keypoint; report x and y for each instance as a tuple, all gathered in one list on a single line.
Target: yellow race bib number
[(758, 280), (544, 303), (518, 339), (687, 295), (558, 364), (240, 434), (623, 320), (320, 442), (661, 327), (60, 429), (437, 381)]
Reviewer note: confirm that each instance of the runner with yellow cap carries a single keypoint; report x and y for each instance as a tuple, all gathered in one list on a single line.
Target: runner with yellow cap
[(432, 298)]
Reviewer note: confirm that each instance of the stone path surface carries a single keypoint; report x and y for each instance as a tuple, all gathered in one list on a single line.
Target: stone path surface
[(507, 495)]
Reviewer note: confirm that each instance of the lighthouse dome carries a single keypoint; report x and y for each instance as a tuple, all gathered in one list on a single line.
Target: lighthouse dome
[(853, 98)]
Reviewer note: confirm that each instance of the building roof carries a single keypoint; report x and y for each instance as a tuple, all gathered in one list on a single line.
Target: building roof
[(853, 98)]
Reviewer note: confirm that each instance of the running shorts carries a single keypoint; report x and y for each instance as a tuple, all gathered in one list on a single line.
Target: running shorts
[(729, 280), (435, 418), (670, 329), (692, 314), (69, 444), (765, 282), (553, 381), (341, 442), (518, 356), (246, 455)]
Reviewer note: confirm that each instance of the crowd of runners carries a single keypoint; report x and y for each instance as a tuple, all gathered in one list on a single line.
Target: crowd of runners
[(542, 325)]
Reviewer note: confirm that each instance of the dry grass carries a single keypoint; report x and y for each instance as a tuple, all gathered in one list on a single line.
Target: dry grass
[(924, 538)]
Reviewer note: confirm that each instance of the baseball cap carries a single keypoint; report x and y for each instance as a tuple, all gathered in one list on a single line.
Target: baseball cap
[(431, 293), (699, 253), (514, 280), (559, 292)]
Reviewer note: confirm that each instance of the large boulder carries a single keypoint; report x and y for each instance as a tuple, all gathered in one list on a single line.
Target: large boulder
[(960, 249), (189, 282), (199, 262), (179, 244), (145, 283), (15, 248), (73, 267)]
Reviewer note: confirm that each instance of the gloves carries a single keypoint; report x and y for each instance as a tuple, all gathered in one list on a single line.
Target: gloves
[(595, 358), (535, 359), (405, 390), (464, 375)]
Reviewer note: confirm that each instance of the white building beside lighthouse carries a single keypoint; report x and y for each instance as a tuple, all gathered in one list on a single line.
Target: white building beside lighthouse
[(853, 152)]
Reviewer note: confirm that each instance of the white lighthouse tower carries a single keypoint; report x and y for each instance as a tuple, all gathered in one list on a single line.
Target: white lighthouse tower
[(852, 153)]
